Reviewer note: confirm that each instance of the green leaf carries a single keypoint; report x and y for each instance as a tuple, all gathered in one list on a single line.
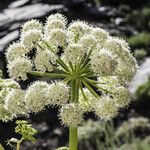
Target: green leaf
[(26, 130)]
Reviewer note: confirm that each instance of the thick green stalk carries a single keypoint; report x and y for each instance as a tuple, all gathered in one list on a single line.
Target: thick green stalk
[(73, 132), (73, 138)]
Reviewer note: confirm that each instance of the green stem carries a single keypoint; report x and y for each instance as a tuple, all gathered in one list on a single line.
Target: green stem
[(62, 64), (73, 138), (73, 132), (86, 59), (90, 88), (50, 75), (19, 143), (98, 87), (67, 80), (83, 94), (59, 60), (18, 146)]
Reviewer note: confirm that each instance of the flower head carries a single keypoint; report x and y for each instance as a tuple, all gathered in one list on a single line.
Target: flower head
[(36, 97), (19, 68), (74, 53), (57, 37), (105, 108), (100, 35), (44, 61), (71, 115), (58, 93), (30, 25), (30, 38), (15, 102), (15, 50), (92, 68), (77, 29), (103, 63)]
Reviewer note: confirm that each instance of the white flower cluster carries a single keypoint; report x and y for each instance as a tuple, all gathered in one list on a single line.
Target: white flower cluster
[(41, 94), (14, 101), (95, 64), (71, 115), (105, 108), (103, 63), (46, 65), (58, 94), (11, 100)]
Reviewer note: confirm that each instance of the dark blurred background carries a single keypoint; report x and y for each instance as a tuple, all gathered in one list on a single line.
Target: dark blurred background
[(129, 19)]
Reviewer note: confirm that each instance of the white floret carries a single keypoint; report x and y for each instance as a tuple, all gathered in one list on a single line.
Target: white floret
[(88, 42), (53, 24), (58, 94), (57, 16), (77, 29), (103, 63), (71, 115), (19, 68), (57, 37), (100, 35), (31, 38), (36, 97), (44, 61), (105, 108), (14, 51), (30, 25), (86, 100), (15, 102), (74, 53)]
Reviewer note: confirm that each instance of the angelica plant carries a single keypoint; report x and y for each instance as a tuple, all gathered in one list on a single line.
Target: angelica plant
[(91, 71), (25, 130)]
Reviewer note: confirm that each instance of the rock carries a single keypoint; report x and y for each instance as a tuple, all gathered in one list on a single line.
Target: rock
[(31, 11), (141, 77), (14, 26), (3, 33), (119, 21), (4, 20), (18, 3), (8, 38), (127, 30), (74, 5)]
